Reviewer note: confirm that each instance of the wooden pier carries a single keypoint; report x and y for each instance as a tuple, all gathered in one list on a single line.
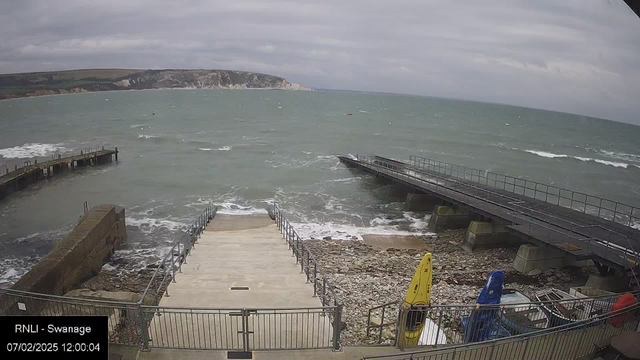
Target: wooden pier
[(30, 173)]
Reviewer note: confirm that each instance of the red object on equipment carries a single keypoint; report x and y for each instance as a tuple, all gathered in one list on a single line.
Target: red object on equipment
[(624, 301)]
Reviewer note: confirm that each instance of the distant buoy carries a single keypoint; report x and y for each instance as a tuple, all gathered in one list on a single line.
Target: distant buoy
[(153, 113)]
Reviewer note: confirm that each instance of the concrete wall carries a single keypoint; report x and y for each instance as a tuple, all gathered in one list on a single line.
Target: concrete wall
[(449, 217), (482, 235), (531, 257), (421, 202), (80, 255)]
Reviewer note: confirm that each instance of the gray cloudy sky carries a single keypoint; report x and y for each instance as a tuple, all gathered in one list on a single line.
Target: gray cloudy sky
[(579, 56)]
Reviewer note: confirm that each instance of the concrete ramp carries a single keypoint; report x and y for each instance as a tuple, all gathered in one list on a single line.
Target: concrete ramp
[(249, 288), (234, 253)]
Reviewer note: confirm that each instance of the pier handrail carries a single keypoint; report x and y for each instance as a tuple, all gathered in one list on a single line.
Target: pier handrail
[(322, 286), (529, 187), (177, 255), (507, 202)]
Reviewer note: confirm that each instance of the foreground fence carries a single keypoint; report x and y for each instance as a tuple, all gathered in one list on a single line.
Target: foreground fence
[(570, 341), (446, 325), (189, 328), (240, 329)]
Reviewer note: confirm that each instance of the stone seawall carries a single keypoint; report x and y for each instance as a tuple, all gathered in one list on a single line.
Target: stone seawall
[(78, 256)]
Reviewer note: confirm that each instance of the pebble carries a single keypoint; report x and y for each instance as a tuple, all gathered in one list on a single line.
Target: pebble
[(366, 277)]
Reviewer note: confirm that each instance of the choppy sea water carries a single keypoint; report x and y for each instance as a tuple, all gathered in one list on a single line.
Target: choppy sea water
[(246, 149)]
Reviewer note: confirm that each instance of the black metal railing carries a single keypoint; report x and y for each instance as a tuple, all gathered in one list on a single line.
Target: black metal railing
[(445, 322), (322, 286), (172, 262), (570, 341), (606, 244), (594, 205)]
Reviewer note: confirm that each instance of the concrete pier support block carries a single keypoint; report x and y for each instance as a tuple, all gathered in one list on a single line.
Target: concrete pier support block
[(609, 283), (483, 235), (397, 191), (531, 257), (421, 202), (448, 217)]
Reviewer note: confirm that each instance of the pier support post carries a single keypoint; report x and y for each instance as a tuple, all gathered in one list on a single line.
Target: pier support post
[(397, 191), (609, 282), (116, 153), (484, 235), (532, 257), (448, 217), (421, 202)]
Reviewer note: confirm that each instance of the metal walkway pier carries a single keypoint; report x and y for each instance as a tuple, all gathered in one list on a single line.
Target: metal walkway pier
[(35, 171), (585, 226)]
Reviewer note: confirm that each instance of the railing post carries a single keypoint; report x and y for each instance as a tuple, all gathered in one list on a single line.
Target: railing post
[(400, 329), (143, 328), (180, 260), (173, 267), (381, 323), (438, 328), (324, 290), (315, 278), (337, 327)]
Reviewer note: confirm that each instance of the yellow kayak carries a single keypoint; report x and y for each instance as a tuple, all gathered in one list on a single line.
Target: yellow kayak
[(419, 293)]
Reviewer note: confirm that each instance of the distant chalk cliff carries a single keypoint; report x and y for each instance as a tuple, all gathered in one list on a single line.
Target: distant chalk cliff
[(86, 80)]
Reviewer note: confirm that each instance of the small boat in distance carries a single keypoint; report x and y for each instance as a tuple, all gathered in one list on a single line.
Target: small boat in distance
[(522, 317)]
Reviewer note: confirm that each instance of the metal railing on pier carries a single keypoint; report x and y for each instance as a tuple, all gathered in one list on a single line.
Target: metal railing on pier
[(608, 243), (594, 205)]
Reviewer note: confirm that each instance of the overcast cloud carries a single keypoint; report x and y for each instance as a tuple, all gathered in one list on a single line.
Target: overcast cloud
[(579, 56)]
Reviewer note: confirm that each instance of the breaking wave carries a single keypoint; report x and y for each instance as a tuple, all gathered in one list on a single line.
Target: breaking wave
[(549, 155), (546, 154), (30, 150)]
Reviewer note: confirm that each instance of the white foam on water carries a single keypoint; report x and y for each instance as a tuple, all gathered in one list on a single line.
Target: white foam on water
[(546, 154), (419, 222), (10, 274), (231, 208), (612, 163), (603, 162), (148, 136), (133, 126), (620, 155), (205, 149), (345, 180), (224, 148), (108, 267), (364, 111), (149, 225), (581, 158), (30, 150), (346, 232)]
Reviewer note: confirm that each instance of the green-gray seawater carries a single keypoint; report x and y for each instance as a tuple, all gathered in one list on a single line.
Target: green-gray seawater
[(244, 149)]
